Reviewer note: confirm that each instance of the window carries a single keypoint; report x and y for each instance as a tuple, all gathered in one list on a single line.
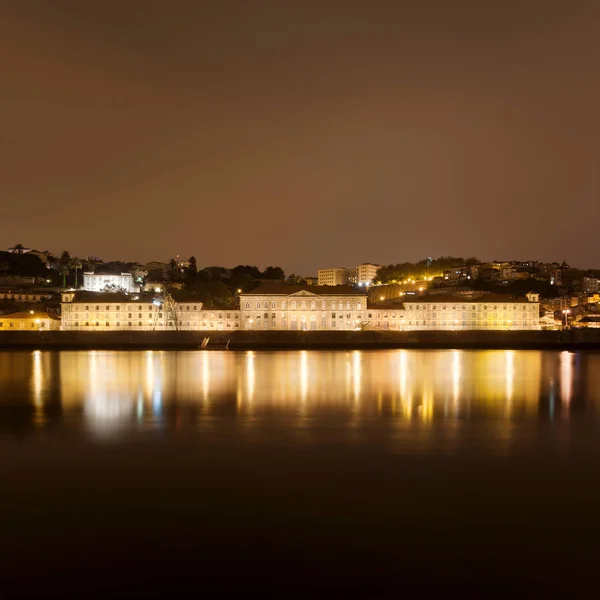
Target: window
[(303, 305), (247, 305), (333, 315), (323, 306), (107, 323), (273, 316), (313, 305), (118, 324), (129, 315), (266, 315), (140, 323), (97, 324), (258, 306), (87, 308), (347, 305), (97, 308), (294, 305), (359, 306), (140, 316), (87, 324), (118, 308)]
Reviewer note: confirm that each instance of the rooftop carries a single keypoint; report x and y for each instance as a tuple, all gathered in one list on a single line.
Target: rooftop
[(30, 315), (487, 299), (284, 289)]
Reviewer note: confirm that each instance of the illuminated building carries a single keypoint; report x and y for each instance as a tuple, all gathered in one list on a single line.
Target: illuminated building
[(96, 311), (590, 285), (450, 313), (29, 321), (25, 296), (364, 274), (339, 276), (301, 307), (100, 282)]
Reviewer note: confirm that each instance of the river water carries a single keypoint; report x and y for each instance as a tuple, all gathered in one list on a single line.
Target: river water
[(355, 473)]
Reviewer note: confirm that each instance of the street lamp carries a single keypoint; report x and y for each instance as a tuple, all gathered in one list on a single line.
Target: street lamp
[(566, 312)]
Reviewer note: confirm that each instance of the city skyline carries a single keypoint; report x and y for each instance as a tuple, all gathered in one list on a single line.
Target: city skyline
[(238, 133)]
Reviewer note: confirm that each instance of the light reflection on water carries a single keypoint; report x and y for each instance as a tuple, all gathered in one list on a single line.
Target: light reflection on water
[(116, 394)]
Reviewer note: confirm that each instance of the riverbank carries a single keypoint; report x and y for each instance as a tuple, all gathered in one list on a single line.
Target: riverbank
[(292, 340)]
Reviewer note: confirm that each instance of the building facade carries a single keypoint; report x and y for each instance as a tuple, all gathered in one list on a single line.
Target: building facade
[(100, 282), (339, 276), (29, 321), (302, 308), (590, 285), (89, 311), (25, 296), (366, 273), (438, 313)]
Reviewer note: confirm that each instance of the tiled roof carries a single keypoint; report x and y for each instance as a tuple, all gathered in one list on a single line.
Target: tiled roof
[(29, 315), (108, 297), (487, 299), (284, 289)]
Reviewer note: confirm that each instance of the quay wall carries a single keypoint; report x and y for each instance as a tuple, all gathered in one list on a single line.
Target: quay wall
[(283, 340)]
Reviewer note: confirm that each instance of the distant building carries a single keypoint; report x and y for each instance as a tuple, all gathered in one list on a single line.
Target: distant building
[(339, 276), (556, 277), (26, 295), (366, 273), (100, 282), (29, 321), (590, 285)]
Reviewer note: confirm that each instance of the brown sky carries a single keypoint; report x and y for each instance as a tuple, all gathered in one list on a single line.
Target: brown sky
[(306, 134)]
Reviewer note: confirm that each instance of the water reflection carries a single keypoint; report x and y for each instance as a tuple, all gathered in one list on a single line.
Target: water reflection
[(119, 391)]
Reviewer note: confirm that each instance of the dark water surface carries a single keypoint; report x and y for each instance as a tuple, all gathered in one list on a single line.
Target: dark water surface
[(299, 473)]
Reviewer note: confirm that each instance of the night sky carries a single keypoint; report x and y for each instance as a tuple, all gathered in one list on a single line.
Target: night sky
[(307, 134)]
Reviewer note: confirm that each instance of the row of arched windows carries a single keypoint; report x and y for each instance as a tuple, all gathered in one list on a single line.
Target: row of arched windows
[(303, 305)]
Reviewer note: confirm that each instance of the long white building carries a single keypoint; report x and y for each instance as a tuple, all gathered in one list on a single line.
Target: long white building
[(280, 306), (298, 308)]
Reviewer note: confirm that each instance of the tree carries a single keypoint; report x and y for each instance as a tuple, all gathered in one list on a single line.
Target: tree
[(172, 269), (63, 269), (192, 271), (295, 279), (273, 273), (75, 264), (253, 271), (17, 249)]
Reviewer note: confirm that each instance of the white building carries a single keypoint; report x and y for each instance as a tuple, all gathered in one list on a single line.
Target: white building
[(366, 273), (100, 282), (449, 313), (338, 276), (93, 311), (301, 307)]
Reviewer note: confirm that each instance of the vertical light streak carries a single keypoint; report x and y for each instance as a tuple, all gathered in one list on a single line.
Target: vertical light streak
[(250, 375), (566, 376), (509, 375), (303, 376)]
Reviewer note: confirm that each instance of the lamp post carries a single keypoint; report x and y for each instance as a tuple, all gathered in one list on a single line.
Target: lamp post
[(566, 312)]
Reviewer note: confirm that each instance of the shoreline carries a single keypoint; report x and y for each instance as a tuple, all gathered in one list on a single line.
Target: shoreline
[(303, 340)]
